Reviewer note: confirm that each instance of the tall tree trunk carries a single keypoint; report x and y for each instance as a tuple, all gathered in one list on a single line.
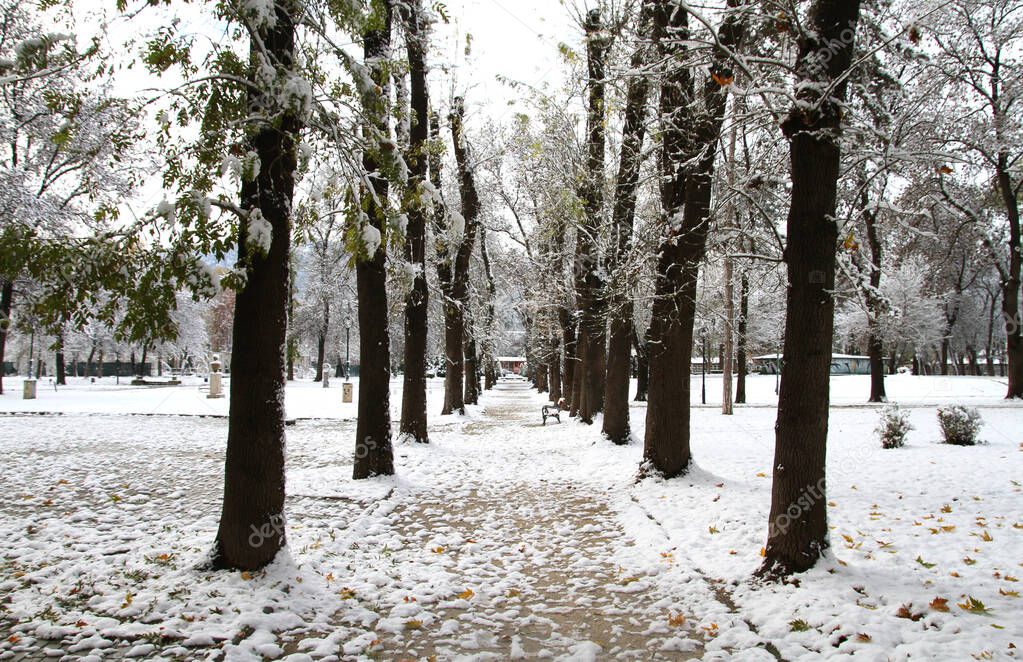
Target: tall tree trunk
[(413, 397), (252, 520), (687, 165), (619, 355), (798, 527), (61, 369), (875, 305), (374, 455), (589, 281), (457, 290), (728, 350), (1011, 282), (741, 340)]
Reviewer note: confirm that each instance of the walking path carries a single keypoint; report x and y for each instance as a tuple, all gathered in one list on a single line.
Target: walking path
[(494, 542)]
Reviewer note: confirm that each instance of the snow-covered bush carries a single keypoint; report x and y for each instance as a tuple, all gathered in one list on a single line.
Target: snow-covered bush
[(959, 424), (893, 427)]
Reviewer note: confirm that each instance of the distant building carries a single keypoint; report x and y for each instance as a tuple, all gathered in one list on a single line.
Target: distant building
[(512, 364), (841, 364)]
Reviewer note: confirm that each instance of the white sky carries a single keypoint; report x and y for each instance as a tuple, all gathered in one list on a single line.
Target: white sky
[(517, 39)]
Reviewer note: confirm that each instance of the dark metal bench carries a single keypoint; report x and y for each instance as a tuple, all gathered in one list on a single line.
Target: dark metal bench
[(551, 411)]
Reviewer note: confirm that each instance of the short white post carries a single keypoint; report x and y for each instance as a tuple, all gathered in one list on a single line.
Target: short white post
[(216, 379), (28, 390), (326, 374)]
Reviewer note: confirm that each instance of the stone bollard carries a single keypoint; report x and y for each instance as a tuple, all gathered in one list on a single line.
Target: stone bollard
[(216, 379), (326, 374), (346, 392), (28, 390)]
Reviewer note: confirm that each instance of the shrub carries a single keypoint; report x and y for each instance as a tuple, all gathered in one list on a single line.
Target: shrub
[(959, 424), (893, 427)]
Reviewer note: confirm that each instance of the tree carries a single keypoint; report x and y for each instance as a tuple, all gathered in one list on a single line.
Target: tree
[(689, 133), (254, 467), (413, 396), (374, 454), (454, 258), (619, 368), (589, 280), (798, 529), (979, 47)]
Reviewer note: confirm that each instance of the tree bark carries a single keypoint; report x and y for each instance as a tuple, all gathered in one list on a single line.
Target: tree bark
[(798, 527), (374, 455), (1011, 282), (252, 521), (687, 165), (61, 369), (619, 354), (413, 396), (589, 281)]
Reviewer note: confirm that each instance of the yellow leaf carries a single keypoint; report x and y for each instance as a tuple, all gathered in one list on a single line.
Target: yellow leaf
[(761, 474), (986, 537), (939, 604), (712, 530), (514, 593), (346, 593), (863, 638), (437, 550), (946, 508), (1008, 594), (413, 624), (246, 575), (763, 552), (676, 620), (466, 594)]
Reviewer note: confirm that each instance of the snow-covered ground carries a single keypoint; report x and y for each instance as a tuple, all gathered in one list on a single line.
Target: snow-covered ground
[(503, 538)]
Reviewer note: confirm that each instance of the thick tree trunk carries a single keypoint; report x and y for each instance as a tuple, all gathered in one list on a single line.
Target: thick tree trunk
[(252, 521), (619, 355), (687, 167), (589, 281), (374, 455), (413, 396), (798, 527), (1011, 283), (741, 341)]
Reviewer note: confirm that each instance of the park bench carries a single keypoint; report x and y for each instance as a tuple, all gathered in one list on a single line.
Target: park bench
[(551, 411)]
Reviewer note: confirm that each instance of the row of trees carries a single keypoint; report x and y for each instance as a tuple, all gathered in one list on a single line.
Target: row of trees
[(900, 198), (897, 125)]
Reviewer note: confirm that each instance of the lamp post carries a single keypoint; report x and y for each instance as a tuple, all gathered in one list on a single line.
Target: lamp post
[(348, 339)]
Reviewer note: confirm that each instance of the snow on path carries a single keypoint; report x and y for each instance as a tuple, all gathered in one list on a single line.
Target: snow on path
[(503, 537)]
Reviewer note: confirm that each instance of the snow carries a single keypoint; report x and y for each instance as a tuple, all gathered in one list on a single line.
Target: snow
[(504, 538), (370, 238), (260, 232)]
